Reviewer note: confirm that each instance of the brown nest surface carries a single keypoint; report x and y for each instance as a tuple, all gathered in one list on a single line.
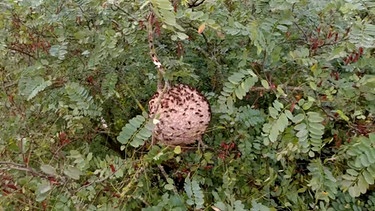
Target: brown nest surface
[(182, 115)]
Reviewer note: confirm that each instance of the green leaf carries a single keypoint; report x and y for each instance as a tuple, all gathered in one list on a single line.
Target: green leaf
[(48, 169), (43, 188), (187, 187), (352, 172), (136, 131), (368, 177), (313, 85), (289, 114), (274, 133), (194, 193), (73, 172), (177, 150), (282, 122), (42, 191), (169, 187), (342, 115), (314, 117), (302, 133), (277, 105), (258, 206), (301, 126), (196, 15), (298, 118), (273, 112), (265, 84)]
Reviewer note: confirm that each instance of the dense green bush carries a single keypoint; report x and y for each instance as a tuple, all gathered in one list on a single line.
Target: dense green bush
[(291, 85)]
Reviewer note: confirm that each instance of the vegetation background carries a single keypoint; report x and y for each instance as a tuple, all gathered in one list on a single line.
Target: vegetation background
[(291, 85)]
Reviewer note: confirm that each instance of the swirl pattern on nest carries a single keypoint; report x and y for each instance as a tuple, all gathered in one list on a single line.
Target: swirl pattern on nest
[(183, 115)]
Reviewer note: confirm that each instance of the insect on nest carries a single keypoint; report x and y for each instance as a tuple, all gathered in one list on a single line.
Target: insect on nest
[(183, 115)]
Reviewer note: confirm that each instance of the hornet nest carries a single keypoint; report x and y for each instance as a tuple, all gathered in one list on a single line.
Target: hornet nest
[(183, 115)]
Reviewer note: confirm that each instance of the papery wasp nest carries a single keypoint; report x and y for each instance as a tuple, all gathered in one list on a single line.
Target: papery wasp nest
[(183, 115)]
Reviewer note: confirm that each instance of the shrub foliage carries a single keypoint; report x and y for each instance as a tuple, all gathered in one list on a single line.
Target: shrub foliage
[(291, 86)]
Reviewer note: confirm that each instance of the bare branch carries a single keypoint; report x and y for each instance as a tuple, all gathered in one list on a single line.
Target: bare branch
[(195, 3), (21, 51), (166, 177), (289, 88), (21, 167)]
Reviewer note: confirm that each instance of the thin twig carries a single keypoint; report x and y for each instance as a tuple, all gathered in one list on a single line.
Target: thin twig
[(5, 86), (162, 88), (305, 35), (289, 88), (125, 12), (135, 98), (166, 177), (153, 54), (21, 51), (195, 3), (22, 167)]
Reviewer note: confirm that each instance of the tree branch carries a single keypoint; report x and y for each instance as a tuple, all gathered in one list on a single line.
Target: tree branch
[(289, 88), (21, 167), (195, 3), (21, 51)]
